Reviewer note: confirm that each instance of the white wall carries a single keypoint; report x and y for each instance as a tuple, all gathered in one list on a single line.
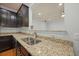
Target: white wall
[(56, 25), (51, 28), (39, 25), (72, 23), (49, 25)]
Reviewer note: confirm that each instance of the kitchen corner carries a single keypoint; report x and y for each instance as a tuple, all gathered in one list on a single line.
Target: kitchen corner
[(37, 29)]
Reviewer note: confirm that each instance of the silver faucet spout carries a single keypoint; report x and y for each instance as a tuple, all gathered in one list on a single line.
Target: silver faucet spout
[(35, 35)]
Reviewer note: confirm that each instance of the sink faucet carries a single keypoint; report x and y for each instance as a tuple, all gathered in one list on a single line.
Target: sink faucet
[(35, 35)]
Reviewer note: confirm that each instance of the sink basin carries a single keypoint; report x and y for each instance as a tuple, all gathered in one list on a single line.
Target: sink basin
[(31, 41)]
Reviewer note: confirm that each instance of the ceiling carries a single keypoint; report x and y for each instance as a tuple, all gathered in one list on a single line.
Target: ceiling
[(47, 11), (11, 6)]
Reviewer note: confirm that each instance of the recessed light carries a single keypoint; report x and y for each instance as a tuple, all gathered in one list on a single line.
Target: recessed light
[(62, 15), (39, 14), (60, 4)]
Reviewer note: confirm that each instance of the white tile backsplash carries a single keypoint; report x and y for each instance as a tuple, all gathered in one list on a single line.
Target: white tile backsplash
[(7, 29)]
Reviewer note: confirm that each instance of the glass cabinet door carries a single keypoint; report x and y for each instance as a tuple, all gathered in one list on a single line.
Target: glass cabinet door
[(7, 18)]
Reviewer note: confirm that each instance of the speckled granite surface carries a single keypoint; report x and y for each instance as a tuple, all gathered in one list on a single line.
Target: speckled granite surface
[(47, 47)]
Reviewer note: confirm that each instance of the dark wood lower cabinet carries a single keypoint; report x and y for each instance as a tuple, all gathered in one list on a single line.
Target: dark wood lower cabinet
[(21, 51), (7, 46), (10, 47), (18, 51)]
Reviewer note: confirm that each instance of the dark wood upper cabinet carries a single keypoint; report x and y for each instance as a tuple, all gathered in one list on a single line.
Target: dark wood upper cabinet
[(7, 18), (12, 19), (23, 12)]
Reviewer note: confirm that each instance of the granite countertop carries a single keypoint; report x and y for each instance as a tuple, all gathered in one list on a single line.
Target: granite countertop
[(46, 47)]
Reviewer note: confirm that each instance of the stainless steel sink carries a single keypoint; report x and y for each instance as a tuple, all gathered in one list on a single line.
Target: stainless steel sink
[(31, 41)]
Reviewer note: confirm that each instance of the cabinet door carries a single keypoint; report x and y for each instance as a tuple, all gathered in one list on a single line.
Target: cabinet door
[(24, 51), (21, 51), (24, 13), (7, 18), (4, 16), (3, 20), (18, 21), (12, 20)]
